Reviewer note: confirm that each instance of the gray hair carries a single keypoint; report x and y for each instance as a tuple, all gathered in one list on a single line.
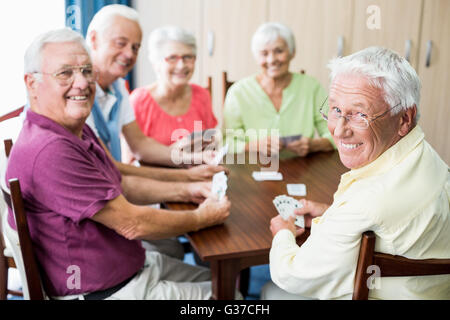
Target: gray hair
[(160, 36), (105, 16), (33, 55), (384, 69), (269, 32)]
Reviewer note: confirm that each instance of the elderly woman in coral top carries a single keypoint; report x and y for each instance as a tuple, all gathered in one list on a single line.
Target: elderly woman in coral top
[(171, 102)]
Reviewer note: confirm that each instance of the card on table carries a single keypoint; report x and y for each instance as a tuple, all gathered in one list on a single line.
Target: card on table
[(267, 175), (219, 184), (296, 189), (286, 205)]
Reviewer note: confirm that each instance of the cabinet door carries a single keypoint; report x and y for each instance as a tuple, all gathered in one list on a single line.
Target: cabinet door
[(320, 28), (157, 13), (391, 24), (228, 29), (435, 76)]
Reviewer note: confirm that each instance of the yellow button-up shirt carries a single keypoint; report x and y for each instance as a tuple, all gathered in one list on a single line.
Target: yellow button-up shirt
[(403, 196)]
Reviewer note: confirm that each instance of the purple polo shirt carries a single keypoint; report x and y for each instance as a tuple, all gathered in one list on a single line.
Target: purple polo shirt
[(65, 181)]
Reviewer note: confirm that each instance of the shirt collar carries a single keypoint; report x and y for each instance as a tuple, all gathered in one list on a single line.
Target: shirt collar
[(386, 160), (49, 124)]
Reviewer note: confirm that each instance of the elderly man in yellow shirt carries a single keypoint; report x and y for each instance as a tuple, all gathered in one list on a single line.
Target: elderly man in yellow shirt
[(398, 187)]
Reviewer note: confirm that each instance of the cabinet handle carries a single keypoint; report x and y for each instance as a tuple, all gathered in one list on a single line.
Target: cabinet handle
[(429, 45), (408, 45), (340, 46), (210, 43)]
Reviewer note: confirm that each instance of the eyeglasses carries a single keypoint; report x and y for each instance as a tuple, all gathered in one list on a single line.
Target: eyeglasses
[(66, 76), (356, 120), (187, 58)]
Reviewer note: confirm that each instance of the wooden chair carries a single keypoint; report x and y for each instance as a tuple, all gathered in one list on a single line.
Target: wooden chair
[(227, 84), (390, 266), (22, 250), (209, 86), (12, 114)]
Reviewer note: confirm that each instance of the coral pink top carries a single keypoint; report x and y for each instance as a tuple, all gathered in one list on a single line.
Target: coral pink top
[(161, 126)]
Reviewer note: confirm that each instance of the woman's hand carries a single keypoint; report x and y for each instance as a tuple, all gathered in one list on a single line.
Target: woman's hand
[(300, 147)]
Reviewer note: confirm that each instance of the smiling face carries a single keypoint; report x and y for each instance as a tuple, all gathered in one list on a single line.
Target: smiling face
[(115, 50), (172, 69), (67, 104), (359, 147), (274, 58)]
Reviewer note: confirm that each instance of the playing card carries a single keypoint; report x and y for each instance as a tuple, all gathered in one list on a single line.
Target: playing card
[(296, 189), (288, 139), (267, 175), (219, 184), (220, 154), (286, 205)]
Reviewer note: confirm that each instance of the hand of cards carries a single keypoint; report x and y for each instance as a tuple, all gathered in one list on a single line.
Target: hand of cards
[(286, 205), (284, 141), (219, 184)]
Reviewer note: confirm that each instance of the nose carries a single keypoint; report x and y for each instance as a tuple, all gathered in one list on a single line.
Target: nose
[(79, 81), (341, 129), (270, 57), (129, 52)]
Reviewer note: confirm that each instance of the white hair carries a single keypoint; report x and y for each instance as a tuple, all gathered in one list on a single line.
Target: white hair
[(269, 32), (160, 36), (384, 69), (105, 17), (33, 54)]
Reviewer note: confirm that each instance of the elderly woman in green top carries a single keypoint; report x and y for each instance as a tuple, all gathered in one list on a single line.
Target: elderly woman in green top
[(276, 99)]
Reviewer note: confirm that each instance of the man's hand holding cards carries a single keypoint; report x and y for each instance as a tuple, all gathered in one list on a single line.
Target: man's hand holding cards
[(219, 184), (286, 206)]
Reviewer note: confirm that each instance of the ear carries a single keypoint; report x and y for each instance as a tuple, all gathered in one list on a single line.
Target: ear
[(93, 38), (31, 84), (407, 121)]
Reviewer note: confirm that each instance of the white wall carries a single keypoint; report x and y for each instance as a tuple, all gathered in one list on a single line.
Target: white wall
[(20, 22)]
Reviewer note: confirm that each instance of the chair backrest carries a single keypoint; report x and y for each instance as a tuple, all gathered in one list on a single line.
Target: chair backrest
[(20, 242), (209, 86), (12, 114), (32, 272), (390, 266), (227, 84)]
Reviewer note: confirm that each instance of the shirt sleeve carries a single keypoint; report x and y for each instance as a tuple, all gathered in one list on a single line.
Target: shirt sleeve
[(69, 183), (324, 266), (234, 125)]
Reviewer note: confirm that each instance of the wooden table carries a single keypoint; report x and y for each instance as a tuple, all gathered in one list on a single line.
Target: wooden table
[(245, 239)]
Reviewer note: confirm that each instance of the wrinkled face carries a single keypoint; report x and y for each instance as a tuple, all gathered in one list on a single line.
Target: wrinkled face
[(177, 63), (115, 50), (274, 58), (68, 104), (352, 94)]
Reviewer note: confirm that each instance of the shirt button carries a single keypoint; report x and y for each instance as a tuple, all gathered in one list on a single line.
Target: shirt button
[(179, 119)]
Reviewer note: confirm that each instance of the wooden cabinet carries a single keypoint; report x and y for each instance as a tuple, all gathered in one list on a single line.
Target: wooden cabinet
[(322, 30), (157, 13), (434, 72), (228, 29), (391, 24)]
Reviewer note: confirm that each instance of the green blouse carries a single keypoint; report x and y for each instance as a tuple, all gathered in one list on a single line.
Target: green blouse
[(247, 106)]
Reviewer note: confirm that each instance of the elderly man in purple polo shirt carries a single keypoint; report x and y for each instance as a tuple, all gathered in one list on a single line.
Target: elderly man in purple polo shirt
[(81, 213)]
